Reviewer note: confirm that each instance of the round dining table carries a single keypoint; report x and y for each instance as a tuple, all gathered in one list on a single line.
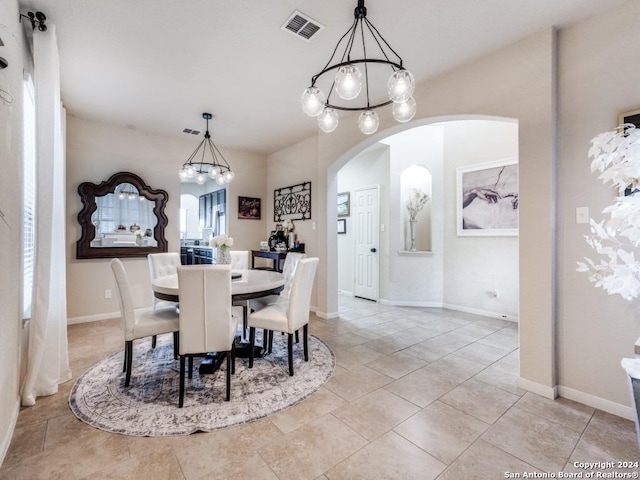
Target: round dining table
[(245, 285)]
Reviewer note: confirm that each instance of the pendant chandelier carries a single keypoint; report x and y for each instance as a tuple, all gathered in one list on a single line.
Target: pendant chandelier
[(351, 76), (199, 169)]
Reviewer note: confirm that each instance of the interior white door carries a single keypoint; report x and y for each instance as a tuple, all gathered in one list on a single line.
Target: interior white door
[(367, 236)]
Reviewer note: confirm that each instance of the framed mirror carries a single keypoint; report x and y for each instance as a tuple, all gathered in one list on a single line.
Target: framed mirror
[(122, 217)]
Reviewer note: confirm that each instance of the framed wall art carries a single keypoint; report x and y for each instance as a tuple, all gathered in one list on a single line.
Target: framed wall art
[(630, 117), (249, 208), (344, 206), (342, 226), (292, 203), (487, 198)]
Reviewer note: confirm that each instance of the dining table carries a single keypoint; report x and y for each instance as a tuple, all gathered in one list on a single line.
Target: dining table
[(245, 285)]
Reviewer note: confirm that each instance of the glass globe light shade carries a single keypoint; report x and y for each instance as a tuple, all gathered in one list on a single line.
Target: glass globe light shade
[(348, 82), (121, 196), (183, 174), (368, 122), (220, 180), (404, 111), (401, 85), (191, 171), (229, 176), (328, 120), (200, 179), (312, 101), (132, 196), (213, 171), (141, 198)]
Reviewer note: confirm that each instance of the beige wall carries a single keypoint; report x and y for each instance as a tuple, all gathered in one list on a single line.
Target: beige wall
[(10, 221), (95, 152), (599, 78)]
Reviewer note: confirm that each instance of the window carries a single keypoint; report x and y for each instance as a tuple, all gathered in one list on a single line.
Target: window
[(29, 194)]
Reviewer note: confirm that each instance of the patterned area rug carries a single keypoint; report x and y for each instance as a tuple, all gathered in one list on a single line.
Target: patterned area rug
[(149, 406)]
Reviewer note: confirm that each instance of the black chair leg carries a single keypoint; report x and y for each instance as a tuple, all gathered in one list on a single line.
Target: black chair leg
[(297, 337), (181, 397), (190, 368), (129, 356), (233, 357), (154, 341), (229, 367), (265, 340), (305, 341), (176, 345), (290, 352), (245, 316), (252, 340), (270, 341), (124, 364)]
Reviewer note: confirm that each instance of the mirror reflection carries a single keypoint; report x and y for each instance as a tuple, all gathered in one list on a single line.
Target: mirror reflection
[(124, 219)]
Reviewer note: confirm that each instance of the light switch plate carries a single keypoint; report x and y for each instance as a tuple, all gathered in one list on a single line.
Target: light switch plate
[(582, 215)]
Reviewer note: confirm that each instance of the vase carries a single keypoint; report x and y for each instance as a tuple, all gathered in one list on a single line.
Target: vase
[(412, 229), (139, 240), (223, 256)]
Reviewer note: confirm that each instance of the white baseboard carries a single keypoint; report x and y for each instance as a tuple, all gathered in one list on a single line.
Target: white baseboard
[(92, 318), (8, 434), (597, 402), (484, 313), (344, 292), (325, 315), (538, 388), (405, 303)]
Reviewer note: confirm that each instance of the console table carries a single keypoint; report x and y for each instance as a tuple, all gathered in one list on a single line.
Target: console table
[(277, 257)]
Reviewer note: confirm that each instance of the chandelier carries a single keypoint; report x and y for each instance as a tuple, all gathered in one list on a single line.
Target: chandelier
[(352, 76), (197, 168)]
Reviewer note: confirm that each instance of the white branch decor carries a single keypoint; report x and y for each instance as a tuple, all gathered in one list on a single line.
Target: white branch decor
[(417, 200), (616, 155)]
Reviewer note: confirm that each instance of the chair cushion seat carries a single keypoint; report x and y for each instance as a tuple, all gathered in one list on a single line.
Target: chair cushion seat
[(155, 322), (259, 303), (271, 317)]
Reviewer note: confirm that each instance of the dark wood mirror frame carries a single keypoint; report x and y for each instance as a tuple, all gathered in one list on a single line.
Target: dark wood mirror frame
[(88, 193)]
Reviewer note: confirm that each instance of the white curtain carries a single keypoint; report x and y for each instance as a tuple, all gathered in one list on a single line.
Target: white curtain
[(47, 358)]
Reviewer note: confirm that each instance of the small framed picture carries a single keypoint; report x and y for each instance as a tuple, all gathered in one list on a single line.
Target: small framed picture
[(249, 208), (343, 204), (342, 226), (630, 117)]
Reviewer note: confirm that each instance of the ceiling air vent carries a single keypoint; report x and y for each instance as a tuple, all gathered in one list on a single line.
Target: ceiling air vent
[(302, 26), (192, 132)]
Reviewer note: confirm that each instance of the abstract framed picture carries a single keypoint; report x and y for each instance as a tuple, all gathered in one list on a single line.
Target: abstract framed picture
[(249, 208), (342, 226), (487, 199), (343, 204)]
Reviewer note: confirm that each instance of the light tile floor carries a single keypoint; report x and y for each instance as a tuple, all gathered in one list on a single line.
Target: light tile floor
[(417, 393)]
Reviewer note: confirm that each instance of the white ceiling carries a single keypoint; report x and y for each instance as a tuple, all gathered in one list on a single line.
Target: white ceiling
[(156, 65)]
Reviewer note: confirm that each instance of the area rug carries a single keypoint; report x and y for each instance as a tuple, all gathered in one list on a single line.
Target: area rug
[(149, 406)]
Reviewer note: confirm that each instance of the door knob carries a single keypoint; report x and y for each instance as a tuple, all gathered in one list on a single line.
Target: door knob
[(373, 250)]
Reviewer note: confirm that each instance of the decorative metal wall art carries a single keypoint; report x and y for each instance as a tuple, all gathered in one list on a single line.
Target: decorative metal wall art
[(292, 203)]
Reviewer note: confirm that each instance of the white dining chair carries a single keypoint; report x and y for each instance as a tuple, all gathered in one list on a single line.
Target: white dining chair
[(239, 259), (288, 270), (160, 265), (140, 322), (206, 322), (288, 314)]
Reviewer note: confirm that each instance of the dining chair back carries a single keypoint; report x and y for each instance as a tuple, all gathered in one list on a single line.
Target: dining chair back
[(288, 271), (161, 265), (239, 259), (288, 315), (206, 322), (140, 322)]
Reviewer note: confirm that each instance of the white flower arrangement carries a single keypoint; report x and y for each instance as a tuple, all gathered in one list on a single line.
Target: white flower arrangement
[(417, 200), (616, 155), (139, 233), (222, 241)]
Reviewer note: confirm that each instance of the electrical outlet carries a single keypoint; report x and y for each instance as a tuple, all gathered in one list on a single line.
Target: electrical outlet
[(107, 293)]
